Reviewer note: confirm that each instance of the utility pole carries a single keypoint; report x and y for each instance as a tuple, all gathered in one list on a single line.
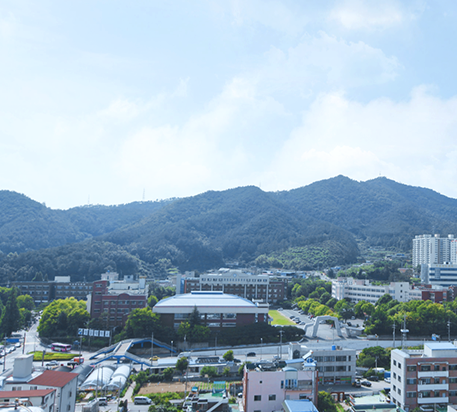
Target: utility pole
[(404, 331), (280, 343), (152, 345), (393, 326), (449, 330)]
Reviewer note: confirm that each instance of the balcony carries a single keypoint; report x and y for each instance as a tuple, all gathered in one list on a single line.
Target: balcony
[(433, 374), (433, 387), (423, 401)]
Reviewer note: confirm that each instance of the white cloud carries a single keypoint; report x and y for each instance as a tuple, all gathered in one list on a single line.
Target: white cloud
[(325, 61), (374, 15), (412, 142)]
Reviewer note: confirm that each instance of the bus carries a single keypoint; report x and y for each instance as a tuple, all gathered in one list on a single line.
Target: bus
[(60, 347)]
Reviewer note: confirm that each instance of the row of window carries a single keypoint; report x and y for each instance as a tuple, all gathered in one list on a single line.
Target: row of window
[(120, 302), (333, 368), (332, 358)]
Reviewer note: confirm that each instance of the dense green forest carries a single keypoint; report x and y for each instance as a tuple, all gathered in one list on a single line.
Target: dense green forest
[(312, 227)]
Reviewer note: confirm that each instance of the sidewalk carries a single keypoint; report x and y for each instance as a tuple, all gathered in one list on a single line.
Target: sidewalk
[(128, 395)]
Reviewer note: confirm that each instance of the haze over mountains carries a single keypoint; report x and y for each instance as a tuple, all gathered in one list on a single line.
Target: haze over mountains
[(329, 217)]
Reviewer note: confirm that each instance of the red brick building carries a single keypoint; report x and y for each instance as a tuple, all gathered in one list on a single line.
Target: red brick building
[(116, 299)]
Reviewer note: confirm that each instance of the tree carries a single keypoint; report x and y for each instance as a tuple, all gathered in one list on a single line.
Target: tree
[(26, 302), (142, 322), (152, 301), (228, 356), (194, 318), (182, 364), (325, 402), (211, 371), (11, 321)]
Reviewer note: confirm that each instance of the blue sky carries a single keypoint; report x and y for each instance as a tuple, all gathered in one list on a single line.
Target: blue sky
[(109, 102)]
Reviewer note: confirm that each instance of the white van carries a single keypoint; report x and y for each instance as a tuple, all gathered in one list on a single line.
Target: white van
[(142, 400), (102, 402)]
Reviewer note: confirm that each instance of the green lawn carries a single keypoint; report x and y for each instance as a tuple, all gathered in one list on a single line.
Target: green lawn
[(279, 318), (58, 356)]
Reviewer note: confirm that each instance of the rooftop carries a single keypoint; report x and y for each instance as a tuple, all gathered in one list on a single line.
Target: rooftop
[(53, 378), (299, 406), (205, 300), (25, 394)]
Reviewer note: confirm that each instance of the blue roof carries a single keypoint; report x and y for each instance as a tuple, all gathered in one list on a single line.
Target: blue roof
[(303, 405)]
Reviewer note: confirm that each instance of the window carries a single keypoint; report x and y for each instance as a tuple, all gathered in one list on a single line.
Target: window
[(329, 369), (452, 380), (33, 388), (341, 358), (399, 365), (453, 367), (452, 393), (437, 367), (395, 362), (271, 397), (411, 381), (410, 394), (257, 398), (399, 378), (395, 375), (425, 368), (413, 368)]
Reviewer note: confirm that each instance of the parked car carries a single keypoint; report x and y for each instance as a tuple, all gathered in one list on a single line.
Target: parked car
[(154, 358), (251, 354), (102, 401), (366, 383), (356, 383), (373, 378), (52, 363), (142, 400), (387, 380)]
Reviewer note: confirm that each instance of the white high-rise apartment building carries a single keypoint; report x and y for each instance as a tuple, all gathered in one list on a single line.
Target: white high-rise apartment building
[(430, 249)]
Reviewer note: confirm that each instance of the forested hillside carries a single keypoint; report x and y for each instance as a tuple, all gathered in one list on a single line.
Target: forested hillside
[(379, 211), (310, 227)]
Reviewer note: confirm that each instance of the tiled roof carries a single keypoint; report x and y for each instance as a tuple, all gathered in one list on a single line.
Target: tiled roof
[(53, 378), (25, 394)]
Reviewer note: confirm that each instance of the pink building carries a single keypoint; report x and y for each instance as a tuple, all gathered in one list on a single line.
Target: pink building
[(266, 391)]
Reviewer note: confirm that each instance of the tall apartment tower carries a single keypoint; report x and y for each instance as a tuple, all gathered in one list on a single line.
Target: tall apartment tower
[(430, 249)]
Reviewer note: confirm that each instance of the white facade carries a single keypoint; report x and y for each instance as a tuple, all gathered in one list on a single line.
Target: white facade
[(361, 289), (439, 274), (428, 249), (267, 390), (335, 365)]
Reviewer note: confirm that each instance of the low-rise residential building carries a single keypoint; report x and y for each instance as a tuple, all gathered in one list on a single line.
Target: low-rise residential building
[(335, 365), (265, 287), (41, 398), (424, 378), (266, 390), (217, 310), (25, 378)]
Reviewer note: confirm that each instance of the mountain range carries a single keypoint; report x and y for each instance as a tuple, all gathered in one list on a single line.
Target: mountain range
[(320, 224)]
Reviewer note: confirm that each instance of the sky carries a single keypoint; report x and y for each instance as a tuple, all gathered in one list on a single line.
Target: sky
[(111, 102)]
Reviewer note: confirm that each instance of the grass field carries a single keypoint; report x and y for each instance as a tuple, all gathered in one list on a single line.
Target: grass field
[(279, 318), (58, 356)]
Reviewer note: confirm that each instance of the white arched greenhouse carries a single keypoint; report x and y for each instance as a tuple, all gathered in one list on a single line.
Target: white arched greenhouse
[(99, 378), (119, 378)]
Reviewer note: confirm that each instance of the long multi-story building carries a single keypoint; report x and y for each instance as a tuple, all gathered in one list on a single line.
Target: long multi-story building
[(115, 299), (424, 378), (356, 290), (439, 274), (428, 249), (265, 287), (60, 288)]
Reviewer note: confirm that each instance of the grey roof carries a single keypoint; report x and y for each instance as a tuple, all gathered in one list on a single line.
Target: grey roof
[(205, 299), (300, 406), (440, 345)]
